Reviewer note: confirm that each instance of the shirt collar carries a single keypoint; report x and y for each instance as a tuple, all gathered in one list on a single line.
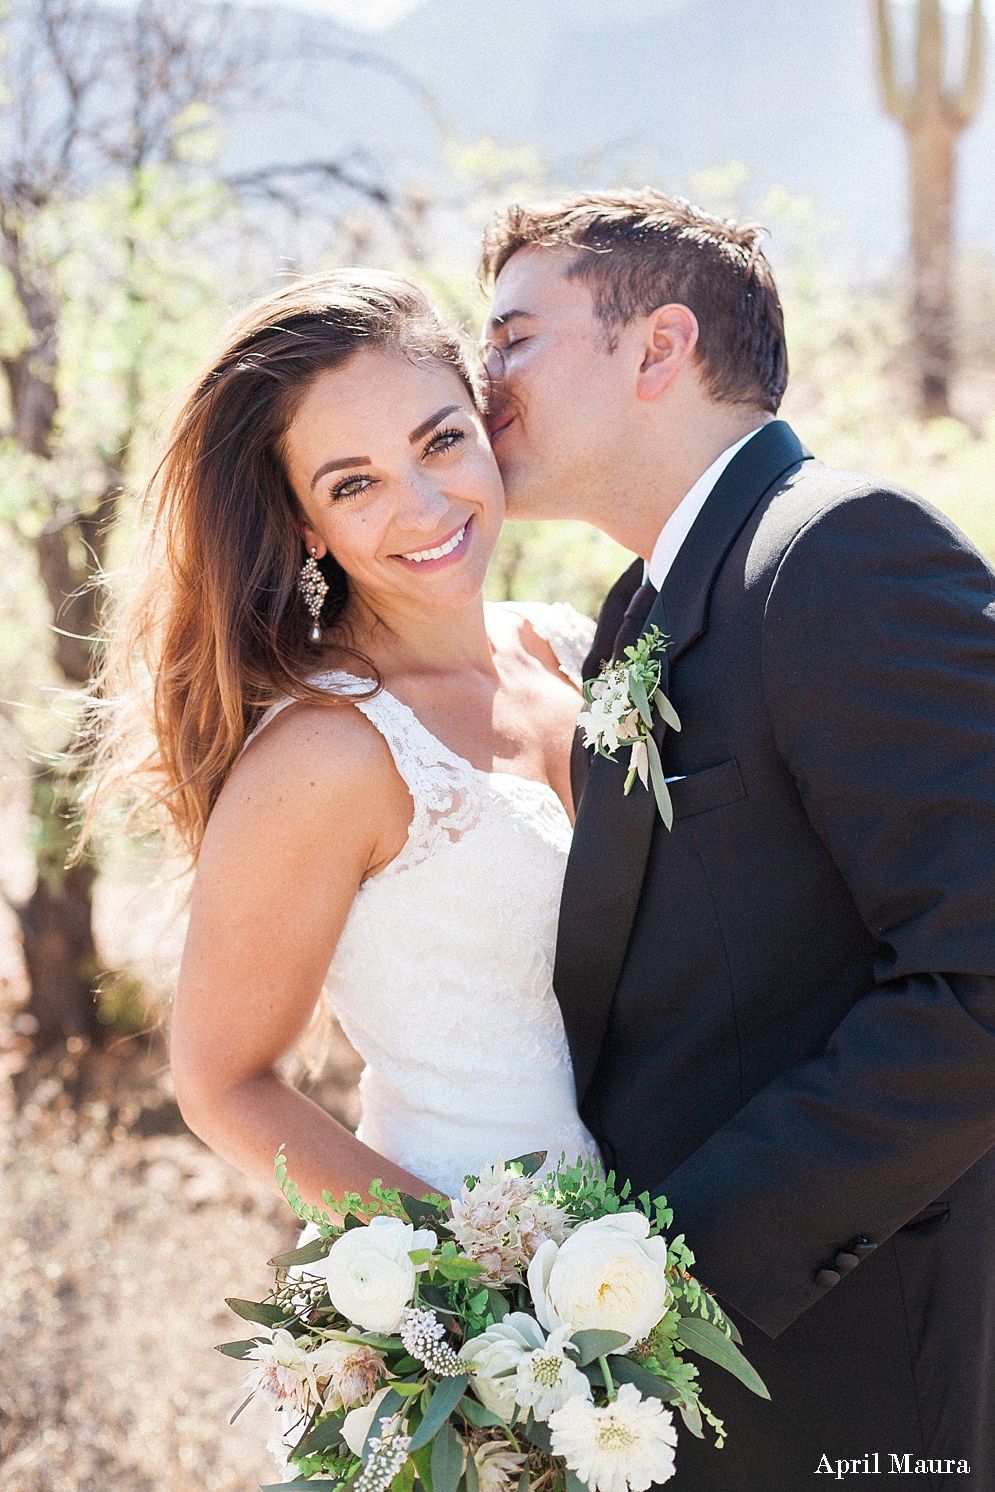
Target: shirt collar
[(679, 524)]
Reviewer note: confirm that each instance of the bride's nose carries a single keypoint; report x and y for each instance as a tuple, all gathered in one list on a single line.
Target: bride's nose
[(422, 506)]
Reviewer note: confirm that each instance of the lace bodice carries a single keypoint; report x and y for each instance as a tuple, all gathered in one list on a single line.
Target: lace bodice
[(442, 978)]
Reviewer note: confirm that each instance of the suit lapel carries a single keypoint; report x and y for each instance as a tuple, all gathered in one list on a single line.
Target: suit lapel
[(613, 833)]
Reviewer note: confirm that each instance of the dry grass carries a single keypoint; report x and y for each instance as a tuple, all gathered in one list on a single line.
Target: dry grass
[(120, 1236)]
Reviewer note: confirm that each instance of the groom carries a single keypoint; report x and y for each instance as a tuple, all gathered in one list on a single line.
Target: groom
[(781, 1011)]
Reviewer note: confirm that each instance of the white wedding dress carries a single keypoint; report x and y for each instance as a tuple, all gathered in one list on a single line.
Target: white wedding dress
[(442, 978)]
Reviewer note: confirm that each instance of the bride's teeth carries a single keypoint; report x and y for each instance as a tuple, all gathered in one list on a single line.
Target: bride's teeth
[(441, 552)]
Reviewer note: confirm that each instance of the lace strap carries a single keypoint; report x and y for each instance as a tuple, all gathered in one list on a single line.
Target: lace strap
[(568, 632)]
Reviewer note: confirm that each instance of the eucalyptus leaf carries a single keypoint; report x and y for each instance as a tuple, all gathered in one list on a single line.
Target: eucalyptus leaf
[(538, 1434), (479, 1417), (499, 1307), (691, 1415), (389, 1404), (447, 1459), (265, 1315), (574, 1483), (404, 1480), (660, 789), (472, 1478), (441, 1406), (327, 1433), (637, 690), (624, 1370), (236, 1349), (459, 1269), (309, 1254), (422, 1214), (530, 1163), (422, 1459), (301, 1483), (705, 1339), (594, 1344), (244, 1405), (667, 711)]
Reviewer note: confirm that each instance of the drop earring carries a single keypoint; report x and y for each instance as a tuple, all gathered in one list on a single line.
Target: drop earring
[(314, 589)]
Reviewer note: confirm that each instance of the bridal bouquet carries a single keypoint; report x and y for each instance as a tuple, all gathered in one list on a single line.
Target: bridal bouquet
[(529, 1334)]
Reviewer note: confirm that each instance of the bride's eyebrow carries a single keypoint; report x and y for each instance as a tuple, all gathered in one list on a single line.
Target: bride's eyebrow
[(338, 466), (427, 425)]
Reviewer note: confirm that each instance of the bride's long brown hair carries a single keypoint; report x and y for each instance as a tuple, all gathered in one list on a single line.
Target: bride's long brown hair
[(218, 630)]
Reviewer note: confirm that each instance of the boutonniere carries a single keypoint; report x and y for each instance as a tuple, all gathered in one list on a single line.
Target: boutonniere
[(621, 702)]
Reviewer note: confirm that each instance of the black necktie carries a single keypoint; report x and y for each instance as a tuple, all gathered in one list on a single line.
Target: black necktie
[(634, 620)]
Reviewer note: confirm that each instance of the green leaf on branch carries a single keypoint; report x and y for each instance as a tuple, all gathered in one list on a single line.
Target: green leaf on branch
[(326, 1434), (236, 1349), (691, 1415), (705, 1339), (624, 1370), (530, 1163), (594, 1344), (459, 1269), (479, 1417), (404, 1481), (265, 1315), (537, 1434), (497, 1305), (638, 692), (667, 711), (574, 1483), (441, 1405), (309, 1254), (299, 1483), (422, 1458), (447, 1459), (660, 790), (423, 1214), (389, 1404)]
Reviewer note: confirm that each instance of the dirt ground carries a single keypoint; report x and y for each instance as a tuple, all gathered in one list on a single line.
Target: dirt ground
[(120, 1236)]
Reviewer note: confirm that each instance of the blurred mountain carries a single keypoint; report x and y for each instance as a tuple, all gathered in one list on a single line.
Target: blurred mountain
[(642, 90)]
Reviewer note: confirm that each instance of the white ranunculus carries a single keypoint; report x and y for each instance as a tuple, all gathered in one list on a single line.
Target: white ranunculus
[(608, 1276), (499, 1350), (356, 1425), (370, 1276), (625, 1447)]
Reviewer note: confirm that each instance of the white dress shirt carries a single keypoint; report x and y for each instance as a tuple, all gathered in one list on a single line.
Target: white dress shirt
[(678, 525)]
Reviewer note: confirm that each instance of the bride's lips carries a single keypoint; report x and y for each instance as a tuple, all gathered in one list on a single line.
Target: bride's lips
[(453, 555)]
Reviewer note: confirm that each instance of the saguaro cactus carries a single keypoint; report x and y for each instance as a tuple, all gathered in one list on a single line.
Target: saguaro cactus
[(932, 115)]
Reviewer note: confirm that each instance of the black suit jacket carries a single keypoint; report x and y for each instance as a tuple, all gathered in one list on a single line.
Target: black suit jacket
[(782, 1014)]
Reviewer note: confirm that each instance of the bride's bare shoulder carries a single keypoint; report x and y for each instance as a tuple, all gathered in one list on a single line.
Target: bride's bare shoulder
[(314, 760)]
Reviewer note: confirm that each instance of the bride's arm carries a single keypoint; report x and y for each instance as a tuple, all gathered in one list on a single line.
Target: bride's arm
[(312, 808)]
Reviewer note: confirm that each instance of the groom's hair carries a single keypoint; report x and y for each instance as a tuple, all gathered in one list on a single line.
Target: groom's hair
[(642, 249)]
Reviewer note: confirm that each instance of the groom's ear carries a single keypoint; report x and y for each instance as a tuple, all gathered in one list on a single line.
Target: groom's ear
[(670, 335)]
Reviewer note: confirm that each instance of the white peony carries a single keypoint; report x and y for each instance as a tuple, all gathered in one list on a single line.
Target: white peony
[(609, 1275), (547, 1378), (499, 1350), (370, 1277), (627, 1444), (356, 1425)]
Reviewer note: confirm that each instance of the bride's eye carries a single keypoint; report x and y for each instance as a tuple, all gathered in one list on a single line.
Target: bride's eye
[(351, 487), (444, 440)]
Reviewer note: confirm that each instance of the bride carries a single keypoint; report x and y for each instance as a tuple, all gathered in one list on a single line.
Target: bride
[(369, 764)]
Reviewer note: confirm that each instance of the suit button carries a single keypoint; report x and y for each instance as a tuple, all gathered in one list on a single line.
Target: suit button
[(845, 1262), (862, 1247), (827, 1277)]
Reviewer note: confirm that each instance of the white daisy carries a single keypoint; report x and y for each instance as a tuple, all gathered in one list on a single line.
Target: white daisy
[(547, 1378), (626, 1445)]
